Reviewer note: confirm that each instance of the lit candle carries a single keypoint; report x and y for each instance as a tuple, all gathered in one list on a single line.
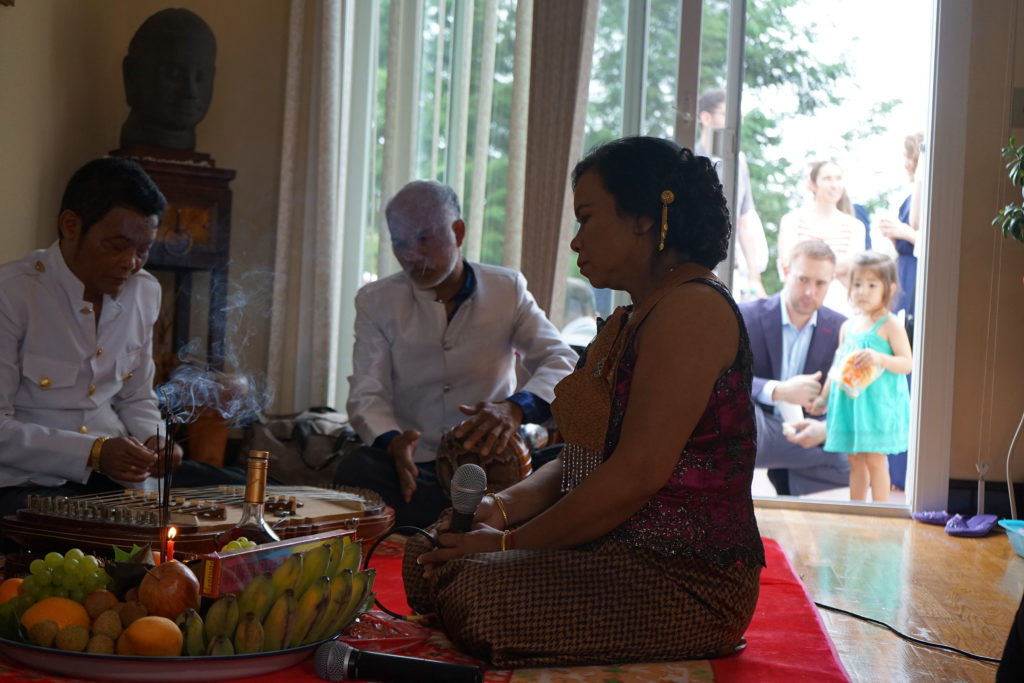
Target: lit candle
[(171, 533)]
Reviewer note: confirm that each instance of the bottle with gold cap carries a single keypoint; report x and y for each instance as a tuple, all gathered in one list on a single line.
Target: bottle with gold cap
[(252, 525)]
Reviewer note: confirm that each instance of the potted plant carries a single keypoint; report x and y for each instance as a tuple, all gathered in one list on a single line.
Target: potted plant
[(1011, 217)]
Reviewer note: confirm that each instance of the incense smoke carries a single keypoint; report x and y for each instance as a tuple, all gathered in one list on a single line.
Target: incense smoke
[(238, 396)]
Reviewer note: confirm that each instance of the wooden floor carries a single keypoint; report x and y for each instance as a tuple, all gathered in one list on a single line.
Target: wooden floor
[(961, 592)]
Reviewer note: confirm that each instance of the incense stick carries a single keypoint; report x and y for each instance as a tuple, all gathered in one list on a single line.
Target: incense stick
[(164, 466), (159, 497)]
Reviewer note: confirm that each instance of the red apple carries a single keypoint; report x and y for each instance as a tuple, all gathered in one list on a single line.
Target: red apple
[(169, 589)]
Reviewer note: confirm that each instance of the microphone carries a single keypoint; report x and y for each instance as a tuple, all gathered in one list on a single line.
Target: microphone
[(338, 661), (469, 484)]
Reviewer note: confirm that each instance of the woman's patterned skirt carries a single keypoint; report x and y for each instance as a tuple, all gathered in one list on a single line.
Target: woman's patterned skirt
[(604, 602)]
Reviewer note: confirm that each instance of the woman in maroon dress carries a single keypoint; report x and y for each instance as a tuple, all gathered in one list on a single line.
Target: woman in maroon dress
[(639, 543)]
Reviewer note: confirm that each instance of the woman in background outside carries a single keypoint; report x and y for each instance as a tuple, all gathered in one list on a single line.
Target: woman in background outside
[(827, 217), (903, 230)]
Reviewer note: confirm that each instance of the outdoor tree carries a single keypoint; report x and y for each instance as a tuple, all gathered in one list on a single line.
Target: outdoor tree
[(782, 79), (780, 62)]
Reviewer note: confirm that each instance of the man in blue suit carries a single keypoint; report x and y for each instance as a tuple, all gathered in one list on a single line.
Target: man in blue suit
[(793, 339)]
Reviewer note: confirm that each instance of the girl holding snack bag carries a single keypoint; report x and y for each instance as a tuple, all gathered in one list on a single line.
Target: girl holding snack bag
[(867, 397)]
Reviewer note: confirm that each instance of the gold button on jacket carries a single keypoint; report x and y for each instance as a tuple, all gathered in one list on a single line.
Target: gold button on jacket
[(44, 382)]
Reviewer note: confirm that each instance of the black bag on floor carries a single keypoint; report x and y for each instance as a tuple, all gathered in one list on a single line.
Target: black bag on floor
[(304, 447)]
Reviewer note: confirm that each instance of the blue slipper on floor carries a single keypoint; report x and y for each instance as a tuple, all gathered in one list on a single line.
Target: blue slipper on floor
[(978, 525), (939, 517)]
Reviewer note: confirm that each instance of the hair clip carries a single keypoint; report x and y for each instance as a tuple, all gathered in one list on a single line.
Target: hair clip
[(667, 197)]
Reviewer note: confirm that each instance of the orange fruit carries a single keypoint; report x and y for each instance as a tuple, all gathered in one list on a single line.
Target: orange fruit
[(10, 588), (61, 611), (151, 637)]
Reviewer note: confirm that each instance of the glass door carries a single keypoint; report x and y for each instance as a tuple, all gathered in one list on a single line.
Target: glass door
[(820, 137), (780, 93)]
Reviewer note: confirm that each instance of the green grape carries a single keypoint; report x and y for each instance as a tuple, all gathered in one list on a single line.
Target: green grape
[(20, 603), (54, 560), (91, 583), (104, 577), (231, 545), (88, 565), (45, 592), (75, 553), (71, 565), (44, 579), (57, 576), (71, 581), (78, 594), (59, 591), (37, 567), (30, 584)]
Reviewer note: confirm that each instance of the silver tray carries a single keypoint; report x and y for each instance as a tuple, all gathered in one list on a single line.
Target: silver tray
[(151, 669)]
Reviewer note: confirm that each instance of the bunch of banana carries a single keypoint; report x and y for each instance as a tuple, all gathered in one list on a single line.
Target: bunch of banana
[(309, 597)]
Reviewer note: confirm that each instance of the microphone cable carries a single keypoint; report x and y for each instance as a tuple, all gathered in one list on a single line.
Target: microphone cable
[(468, 488), (916, 641), (369, 554)]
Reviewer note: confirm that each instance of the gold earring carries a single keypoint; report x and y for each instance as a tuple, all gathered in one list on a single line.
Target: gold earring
[(666, 198)]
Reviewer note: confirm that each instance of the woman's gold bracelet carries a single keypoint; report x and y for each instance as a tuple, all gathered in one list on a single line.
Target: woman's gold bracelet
[(94, 454), (506, 540), (501, 506)]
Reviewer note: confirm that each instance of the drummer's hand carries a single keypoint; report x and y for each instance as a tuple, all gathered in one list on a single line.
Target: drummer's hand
[(492, 424), (157, 445), (124, 458), (482, 539), (401, 449)]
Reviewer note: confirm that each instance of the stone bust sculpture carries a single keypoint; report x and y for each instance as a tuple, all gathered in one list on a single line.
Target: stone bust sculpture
[(168, 80)]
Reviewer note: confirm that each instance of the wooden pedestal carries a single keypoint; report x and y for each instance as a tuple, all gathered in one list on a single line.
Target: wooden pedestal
[(193, 236)]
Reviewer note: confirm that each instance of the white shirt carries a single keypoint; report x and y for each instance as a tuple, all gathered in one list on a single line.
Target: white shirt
[(63, 380), (795, 344), (412, 369)]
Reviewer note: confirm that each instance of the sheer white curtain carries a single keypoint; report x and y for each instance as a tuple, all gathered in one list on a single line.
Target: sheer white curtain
[(512, 255), (563, 34), (328, 198), (325, 177)]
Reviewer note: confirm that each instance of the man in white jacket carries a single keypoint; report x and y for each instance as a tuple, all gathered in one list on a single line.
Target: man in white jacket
[(77, 409), (438, 346)]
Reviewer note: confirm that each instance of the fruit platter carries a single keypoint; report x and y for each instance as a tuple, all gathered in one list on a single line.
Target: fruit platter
[(78, 615)]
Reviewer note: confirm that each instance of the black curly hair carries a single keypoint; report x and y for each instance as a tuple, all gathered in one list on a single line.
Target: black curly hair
[(636, 170)]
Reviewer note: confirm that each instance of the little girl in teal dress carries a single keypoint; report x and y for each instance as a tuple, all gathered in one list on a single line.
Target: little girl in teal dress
[(867, 396)]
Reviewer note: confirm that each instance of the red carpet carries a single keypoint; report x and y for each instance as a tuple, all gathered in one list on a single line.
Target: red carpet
[(785, 642)]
